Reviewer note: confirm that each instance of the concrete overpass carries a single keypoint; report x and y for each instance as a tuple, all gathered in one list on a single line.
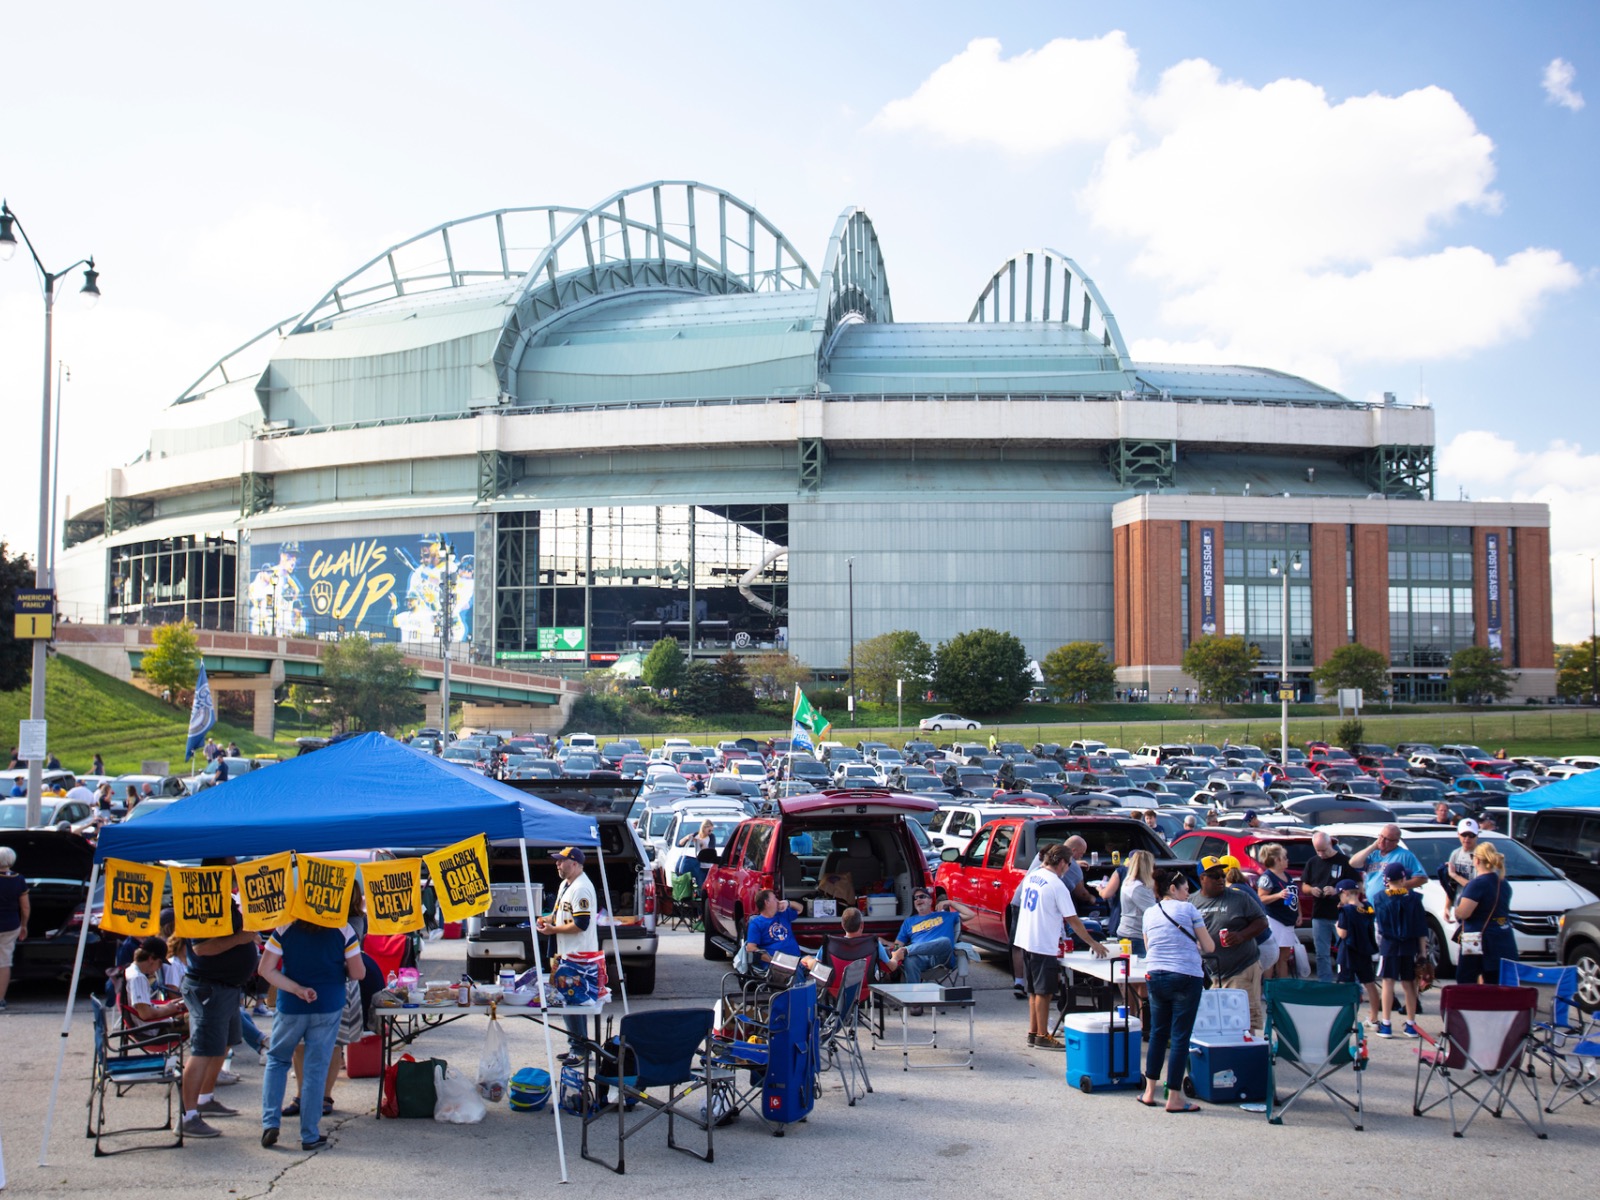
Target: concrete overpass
[(241, 662)]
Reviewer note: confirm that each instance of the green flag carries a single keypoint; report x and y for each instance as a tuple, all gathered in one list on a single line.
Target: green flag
[(810, 726)]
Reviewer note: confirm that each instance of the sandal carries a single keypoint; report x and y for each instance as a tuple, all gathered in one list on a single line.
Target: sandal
[(1187, 1108), (292, 1109), (327, 1106)]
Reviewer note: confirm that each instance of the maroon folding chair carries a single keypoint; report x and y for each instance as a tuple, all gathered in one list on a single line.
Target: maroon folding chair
[(1487, 1030)]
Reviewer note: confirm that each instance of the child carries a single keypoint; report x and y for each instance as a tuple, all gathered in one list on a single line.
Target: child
[(1357, 943), (1402, 939)]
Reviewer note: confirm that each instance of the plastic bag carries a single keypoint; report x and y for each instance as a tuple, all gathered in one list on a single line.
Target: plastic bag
[(494, 1065), (457, 1102), (1302, 961)]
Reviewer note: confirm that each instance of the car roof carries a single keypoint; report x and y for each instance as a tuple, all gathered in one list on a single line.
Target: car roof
[(817, 802)]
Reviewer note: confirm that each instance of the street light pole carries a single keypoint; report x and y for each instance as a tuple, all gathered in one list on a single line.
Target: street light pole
[(446, 588), (1594, 667), (1283, 670), (10, 226), (850, 572)]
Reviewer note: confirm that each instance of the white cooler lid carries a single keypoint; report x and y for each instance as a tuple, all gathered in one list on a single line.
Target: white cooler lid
[(1097, 1022), (1224, 1012)]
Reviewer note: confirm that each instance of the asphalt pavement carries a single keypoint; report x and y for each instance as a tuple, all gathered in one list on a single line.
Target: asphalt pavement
[(1012, 1125)]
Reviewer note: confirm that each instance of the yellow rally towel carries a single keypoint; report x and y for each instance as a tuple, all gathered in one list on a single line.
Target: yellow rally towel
[(394, 895), (265, 885), (460, 875), (133, 898), (323, 894), (202, 901)]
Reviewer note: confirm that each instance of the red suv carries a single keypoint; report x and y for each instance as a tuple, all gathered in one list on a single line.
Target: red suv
[(858, 836), (1204, 843)]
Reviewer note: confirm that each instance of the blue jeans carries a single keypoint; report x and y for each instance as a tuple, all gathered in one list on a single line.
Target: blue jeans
[(694, 868), (318, 1031), (1174, 1003), (252, 1035), (925, 955), (1323, 936)]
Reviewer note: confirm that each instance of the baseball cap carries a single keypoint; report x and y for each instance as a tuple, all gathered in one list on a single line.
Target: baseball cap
[(1249, 814), (1394, 872), (1468, 825), (1213, 862), (570, 854), (1349, 885)]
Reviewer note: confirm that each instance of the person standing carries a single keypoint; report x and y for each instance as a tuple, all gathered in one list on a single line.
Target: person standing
[(1044, 907), (572, 923), (1376, 857), (1460, 868), (98, 767), (1281, 900), (310, 1004), (1175, 937), (1484, 909), (1320, 880), (213, 986), (1233, 918), (14, 913), (1402, 939)]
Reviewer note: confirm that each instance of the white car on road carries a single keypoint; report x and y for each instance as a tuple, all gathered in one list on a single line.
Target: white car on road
[(945, 721)]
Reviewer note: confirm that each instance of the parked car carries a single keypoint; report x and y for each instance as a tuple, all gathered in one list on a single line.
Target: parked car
[(943, 721), (1579, 946), (1569, 840), (1243, 845), (863, 839), (685, 818), (57, 867), (954, 824), (53, 811)]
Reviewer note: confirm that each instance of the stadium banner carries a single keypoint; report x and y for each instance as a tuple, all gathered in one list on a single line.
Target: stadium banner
[(388, 588), (1208, 581), (1491, 586)]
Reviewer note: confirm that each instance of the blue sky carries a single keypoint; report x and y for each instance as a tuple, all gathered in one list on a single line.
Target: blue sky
[(1385, 197)]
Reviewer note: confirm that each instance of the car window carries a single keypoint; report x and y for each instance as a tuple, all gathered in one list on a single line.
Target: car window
[(1589, 838), (1556, 832), (755, 847), (979, 847), (962, 823), (1000, 846)]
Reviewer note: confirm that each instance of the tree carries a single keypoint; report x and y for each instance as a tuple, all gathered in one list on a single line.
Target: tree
[(16, 657), (700, 692), (1576, 674), (984, 671), (882, 660), (1477, 677), (172, 663), (733, 686), (1354, 666), (369, 684), (305, 700), (663, 667), (777, 673), (1079, 670), (1220, 665)]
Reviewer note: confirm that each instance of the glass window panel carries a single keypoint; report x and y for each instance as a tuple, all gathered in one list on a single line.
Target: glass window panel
[(1232, 560), (1397, 564)]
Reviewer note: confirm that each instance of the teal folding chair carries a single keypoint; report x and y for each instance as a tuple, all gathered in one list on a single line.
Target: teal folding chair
[(1313, 1028)]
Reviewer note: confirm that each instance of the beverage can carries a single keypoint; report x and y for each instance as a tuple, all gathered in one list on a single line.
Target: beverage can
[(1116, 858), (1094, 858)]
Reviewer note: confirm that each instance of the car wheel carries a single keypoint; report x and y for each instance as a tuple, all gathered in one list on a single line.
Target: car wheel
[(641, 979), (936, 728), (1586, 958), (972, 724), (1439, 948)]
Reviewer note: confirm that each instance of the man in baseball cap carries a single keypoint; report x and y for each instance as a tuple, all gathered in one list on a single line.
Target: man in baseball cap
[(572, 924), (572, 854), (1459, 868)]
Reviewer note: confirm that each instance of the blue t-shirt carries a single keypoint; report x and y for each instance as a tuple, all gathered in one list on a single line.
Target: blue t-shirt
[(1360, 943), (801, 843), (1493, 897), (1401, 923), (12, 888), (1376, 863), (775, 934), (313, 956), (916, 929)]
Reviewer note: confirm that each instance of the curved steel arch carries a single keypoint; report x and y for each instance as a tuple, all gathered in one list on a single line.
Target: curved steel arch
[(989, 304), (629, 253), (199, 387), (855, 283), (394, 283)]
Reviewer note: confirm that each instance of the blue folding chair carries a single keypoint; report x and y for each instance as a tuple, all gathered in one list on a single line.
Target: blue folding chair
[(127, 1059), (658, 1050), (839, 1033), (1568, 1042)]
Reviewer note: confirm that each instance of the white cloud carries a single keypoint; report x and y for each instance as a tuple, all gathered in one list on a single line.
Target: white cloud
[(1068, 91), (1558, 79), (1487, 466)]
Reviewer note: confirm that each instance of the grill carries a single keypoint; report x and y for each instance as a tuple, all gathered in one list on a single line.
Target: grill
[(1536, 924)]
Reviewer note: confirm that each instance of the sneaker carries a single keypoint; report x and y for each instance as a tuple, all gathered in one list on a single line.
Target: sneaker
[(1411, 1030), (269, 1137), (1048, 1041), (1385, 1029), (571, 1059), (259, 1010), (1033, 1039), (320, 1144), (2, 1006), (1017, 990), (216, 1108), (225, 1078), (196, 1127)]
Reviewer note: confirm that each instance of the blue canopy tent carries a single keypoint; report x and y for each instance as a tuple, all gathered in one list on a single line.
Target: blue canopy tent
[(359, 793), (1578, 791)]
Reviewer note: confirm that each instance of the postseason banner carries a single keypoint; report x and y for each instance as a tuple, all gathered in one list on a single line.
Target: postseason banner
[(264, 890), (1208, 581), (1491, 586), (133, 898), (460, 875), (323, 897), (394, 895), (202, 901)]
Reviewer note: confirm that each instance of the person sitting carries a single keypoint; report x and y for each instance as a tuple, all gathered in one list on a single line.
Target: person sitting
[(151, 986), (927, 938), (771, 930)]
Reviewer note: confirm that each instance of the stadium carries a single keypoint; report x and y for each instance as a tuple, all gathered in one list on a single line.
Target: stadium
[(655, 417)]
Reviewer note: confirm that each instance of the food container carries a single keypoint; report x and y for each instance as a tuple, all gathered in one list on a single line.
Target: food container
[(438, 991), (488, 993), (882, 906)]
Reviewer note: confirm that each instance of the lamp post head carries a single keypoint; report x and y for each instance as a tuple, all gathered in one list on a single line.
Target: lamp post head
[(8, 239), (90, 292)]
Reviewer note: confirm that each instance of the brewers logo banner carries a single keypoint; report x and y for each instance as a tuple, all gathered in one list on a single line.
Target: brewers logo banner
[(460, 875), (323, 897), (394, 895), (264, 891), (133, 898), (202, 901)]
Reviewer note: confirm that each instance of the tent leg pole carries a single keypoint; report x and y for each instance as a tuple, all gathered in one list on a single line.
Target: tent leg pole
[(66, 1020), (549, 1050), (616, 947)]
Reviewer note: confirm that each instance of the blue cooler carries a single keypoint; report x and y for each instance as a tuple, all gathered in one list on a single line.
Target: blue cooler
[(1098, 1053), (1226, 1064)]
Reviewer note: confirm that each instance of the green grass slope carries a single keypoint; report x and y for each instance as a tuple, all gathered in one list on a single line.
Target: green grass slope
[(91, 712)]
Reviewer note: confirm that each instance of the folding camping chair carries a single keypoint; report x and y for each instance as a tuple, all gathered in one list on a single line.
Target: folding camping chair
[(1565, 1040), (688, 902), (839, 1029), (661, 1047), (780, 1057), (125, 1060), (1314, 1028), (1478, 1056)]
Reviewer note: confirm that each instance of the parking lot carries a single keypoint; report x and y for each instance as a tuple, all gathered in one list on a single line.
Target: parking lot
[(1011, 1125)]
